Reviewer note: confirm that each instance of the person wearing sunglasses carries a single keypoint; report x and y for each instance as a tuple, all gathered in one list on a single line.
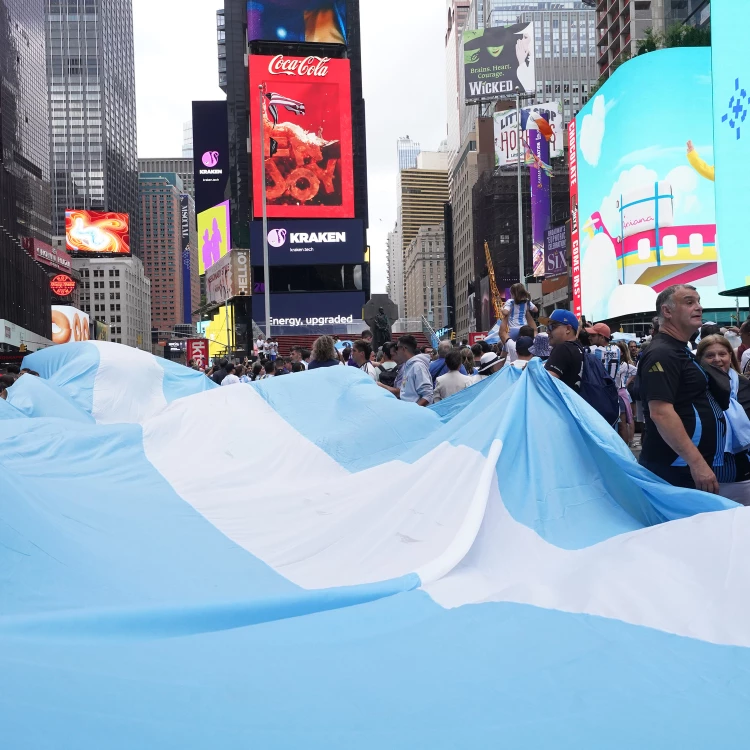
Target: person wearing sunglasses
[(566, 360)]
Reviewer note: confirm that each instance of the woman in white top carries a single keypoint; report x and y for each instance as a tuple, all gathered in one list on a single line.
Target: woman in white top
[(453, 381)]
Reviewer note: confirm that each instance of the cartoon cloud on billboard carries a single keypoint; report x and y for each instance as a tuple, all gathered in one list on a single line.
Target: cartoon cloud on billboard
[(642, 183)]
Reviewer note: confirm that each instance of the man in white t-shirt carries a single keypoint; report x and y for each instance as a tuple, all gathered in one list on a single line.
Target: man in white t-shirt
[(510, 342), (231, 378), (361, 351), (259, 346)]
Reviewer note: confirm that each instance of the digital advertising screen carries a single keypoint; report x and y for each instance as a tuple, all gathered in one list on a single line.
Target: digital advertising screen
[(731, 90), (307, 169), (214, 240), (309, 310), (498, 59), (97, 232), (313, 21), (308, 242), (642, 195), (210, 153)]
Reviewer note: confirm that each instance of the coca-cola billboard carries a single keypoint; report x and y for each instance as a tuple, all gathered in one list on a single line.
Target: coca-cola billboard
[(307, 164)]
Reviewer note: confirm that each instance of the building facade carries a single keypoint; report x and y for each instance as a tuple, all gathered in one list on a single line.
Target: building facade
[(183, 167), (422, 195), (161, 234), (187, 139), (117, 292), (690, 12), (407, 151), (91, 77), (425, 276), (24, 173), (395, 255), (621, 24)]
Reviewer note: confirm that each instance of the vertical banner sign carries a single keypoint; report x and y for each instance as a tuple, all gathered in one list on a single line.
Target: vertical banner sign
[(541, 207), (197, 350), (187, 302), (730, 63), (575, 240), (210, 153)]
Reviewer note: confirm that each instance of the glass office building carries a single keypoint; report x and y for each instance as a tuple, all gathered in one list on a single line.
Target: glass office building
[(92, 109)]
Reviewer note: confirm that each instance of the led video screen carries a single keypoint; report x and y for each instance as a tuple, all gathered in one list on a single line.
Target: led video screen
[(642, 193), (307, 166), (97, 232)]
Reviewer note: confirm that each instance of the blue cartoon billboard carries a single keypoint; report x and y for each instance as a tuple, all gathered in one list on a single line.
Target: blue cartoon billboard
[(642, 188)]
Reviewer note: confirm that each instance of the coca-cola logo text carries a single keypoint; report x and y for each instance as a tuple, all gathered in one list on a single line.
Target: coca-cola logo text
[(296, 66)]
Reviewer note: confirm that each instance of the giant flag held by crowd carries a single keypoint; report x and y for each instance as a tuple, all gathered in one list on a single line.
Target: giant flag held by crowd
[(307, 562)]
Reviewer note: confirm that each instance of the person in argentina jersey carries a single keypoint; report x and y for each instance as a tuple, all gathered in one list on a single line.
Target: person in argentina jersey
[(685, 425), (601, 347)]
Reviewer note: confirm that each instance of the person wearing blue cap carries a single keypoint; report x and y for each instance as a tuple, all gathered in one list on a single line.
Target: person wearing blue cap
[(566, 360)]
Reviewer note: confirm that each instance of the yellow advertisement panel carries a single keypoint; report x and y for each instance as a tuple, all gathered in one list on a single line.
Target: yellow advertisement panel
[(214, 241)]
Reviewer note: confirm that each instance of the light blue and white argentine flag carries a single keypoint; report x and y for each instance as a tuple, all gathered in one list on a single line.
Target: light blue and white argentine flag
[(310, 563)]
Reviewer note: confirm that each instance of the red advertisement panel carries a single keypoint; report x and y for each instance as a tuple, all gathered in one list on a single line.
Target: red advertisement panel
[(197, 349), (575, 237), (477, 336), (97, 232), (44, 253), (307, 153)]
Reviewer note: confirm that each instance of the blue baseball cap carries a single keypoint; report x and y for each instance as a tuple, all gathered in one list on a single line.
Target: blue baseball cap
[(565, 317)]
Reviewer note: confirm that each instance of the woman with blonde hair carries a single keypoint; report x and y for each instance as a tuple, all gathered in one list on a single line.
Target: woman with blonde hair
[(323, 353)]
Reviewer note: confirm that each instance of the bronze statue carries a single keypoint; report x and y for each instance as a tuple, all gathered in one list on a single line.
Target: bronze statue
[(381, 329)]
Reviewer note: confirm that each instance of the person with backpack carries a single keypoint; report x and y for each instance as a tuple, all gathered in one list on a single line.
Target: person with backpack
[(579, 369), (387, 370)]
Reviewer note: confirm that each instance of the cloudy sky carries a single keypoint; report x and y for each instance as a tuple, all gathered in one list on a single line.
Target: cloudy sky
[(403, 64)]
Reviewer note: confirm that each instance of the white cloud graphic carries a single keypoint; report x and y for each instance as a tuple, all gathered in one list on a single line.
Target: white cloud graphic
[(592, 131)]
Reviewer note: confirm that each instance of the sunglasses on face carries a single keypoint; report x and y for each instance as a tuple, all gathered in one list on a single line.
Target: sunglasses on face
[(553, 326)]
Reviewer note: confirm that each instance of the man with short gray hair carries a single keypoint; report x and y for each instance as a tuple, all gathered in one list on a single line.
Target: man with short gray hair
[(685, 425)]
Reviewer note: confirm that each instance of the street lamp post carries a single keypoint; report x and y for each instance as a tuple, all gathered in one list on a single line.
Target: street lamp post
[(266, 274)]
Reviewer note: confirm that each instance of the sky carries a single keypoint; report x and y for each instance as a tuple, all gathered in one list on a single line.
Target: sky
[(403, 63)]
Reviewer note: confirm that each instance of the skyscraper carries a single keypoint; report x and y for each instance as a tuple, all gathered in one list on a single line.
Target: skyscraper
[(92, 110), (182, 166), (622, 24), (162, 246), (408, 151), (422, 195), (187, 139), (24, 174)]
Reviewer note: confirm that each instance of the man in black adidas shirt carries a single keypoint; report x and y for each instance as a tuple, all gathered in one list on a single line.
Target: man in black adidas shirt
[(685, 428)]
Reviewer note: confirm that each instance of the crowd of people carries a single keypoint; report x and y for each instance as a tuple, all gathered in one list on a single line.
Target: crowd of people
[(685, 389), (681, 396)]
